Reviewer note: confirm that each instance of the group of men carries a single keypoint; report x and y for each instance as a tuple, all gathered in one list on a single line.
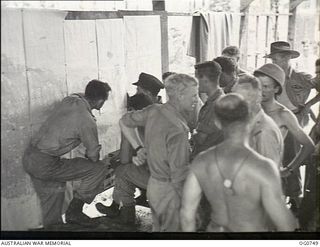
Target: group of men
[(225, 162)]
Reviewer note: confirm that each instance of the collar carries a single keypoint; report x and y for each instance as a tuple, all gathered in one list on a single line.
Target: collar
[(290, 70), (216, 95), (83, 99), (174, 110)]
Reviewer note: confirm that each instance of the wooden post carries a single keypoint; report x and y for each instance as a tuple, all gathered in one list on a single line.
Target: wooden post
[(292, 20), (243, 45), (159, 5)]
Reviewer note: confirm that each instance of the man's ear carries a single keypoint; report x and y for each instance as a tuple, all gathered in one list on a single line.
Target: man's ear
[(218, 123)]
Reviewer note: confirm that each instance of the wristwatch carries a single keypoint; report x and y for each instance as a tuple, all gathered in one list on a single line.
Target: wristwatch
[(136, 150)]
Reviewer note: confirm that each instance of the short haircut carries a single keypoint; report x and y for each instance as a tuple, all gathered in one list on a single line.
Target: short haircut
[(175, 84), (97, 90), (318, 62), (231, 51), (165, 75), (227, 64), (253, 81), (210, 69), (139, 101), (231, 108)]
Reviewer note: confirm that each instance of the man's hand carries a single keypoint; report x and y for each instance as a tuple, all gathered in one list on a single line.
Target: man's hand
[(285, 172), (140, 158)]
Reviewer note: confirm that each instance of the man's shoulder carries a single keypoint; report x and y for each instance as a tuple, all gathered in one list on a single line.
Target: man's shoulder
[(262, 164), (300, 75)]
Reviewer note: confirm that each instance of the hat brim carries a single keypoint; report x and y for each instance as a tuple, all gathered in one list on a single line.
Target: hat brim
[(294, 54), (136, 83)]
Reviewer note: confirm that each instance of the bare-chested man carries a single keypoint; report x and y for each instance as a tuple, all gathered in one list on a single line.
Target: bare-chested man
[(272, 77), (244, 189)]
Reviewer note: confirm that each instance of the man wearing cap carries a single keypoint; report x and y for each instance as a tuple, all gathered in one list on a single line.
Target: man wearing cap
[(150, 86), (272, 78), (168, 149), (296, 90)]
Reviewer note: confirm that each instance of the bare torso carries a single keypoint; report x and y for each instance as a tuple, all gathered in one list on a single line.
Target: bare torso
[(240, 208)]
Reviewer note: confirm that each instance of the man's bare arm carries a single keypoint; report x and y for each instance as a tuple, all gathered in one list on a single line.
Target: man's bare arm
[(190, 201), (272, 201), (301, 137)]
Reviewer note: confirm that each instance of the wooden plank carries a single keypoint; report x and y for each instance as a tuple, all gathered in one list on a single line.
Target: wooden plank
[(110, 40), (45, 60), (81, 54), (81, 59), (179, 34), (19, 206), (143, 45)]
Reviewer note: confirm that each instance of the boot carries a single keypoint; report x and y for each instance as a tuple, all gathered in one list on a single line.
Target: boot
[(126, 216), (142, 199), (74, 214), (111, 211)]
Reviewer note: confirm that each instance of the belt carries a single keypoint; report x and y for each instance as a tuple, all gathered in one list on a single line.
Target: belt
[(165, 180)]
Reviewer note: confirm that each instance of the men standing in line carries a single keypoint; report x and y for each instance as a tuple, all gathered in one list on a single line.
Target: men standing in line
[(167, 145), (265, 136), (70, 124), (296, 91), (243, 187)]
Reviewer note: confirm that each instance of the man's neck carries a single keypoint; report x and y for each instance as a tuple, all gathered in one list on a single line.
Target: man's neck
[(212, 90), (255, 110), (268, 105)]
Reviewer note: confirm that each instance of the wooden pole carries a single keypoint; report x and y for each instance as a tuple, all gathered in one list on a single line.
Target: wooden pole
[(292, 20), (159, 5)]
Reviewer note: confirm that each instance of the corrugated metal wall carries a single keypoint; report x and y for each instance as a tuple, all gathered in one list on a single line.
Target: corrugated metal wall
[(43, 59)]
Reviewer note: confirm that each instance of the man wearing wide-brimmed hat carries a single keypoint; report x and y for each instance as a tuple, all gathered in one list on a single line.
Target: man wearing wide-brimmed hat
[(272, 78), (296, 89)]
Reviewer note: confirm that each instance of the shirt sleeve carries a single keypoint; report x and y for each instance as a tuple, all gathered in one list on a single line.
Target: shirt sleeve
[(178, 157), (88, 133), (137, 118)]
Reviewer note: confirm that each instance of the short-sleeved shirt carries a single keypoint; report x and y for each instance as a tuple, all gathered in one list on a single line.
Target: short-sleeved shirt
[(297, 88), (70, 124), (166, 141), (207, 125), (266, 138)]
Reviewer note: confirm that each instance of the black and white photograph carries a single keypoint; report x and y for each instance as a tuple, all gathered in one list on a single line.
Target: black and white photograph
[(160, 119)]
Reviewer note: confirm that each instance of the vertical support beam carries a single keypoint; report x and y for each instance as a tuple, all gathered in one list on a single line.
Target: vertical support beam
[(292, 20), (244, 36), (159, 5)]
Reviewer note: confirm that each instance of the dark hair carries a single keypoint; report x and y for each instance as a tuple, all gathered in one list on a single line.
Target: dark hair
[(211, 69), (253, 81), (318, 62), (227, 64), (165, 75), (231, 51), (231, 108), (139, 101), (96, 90)]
